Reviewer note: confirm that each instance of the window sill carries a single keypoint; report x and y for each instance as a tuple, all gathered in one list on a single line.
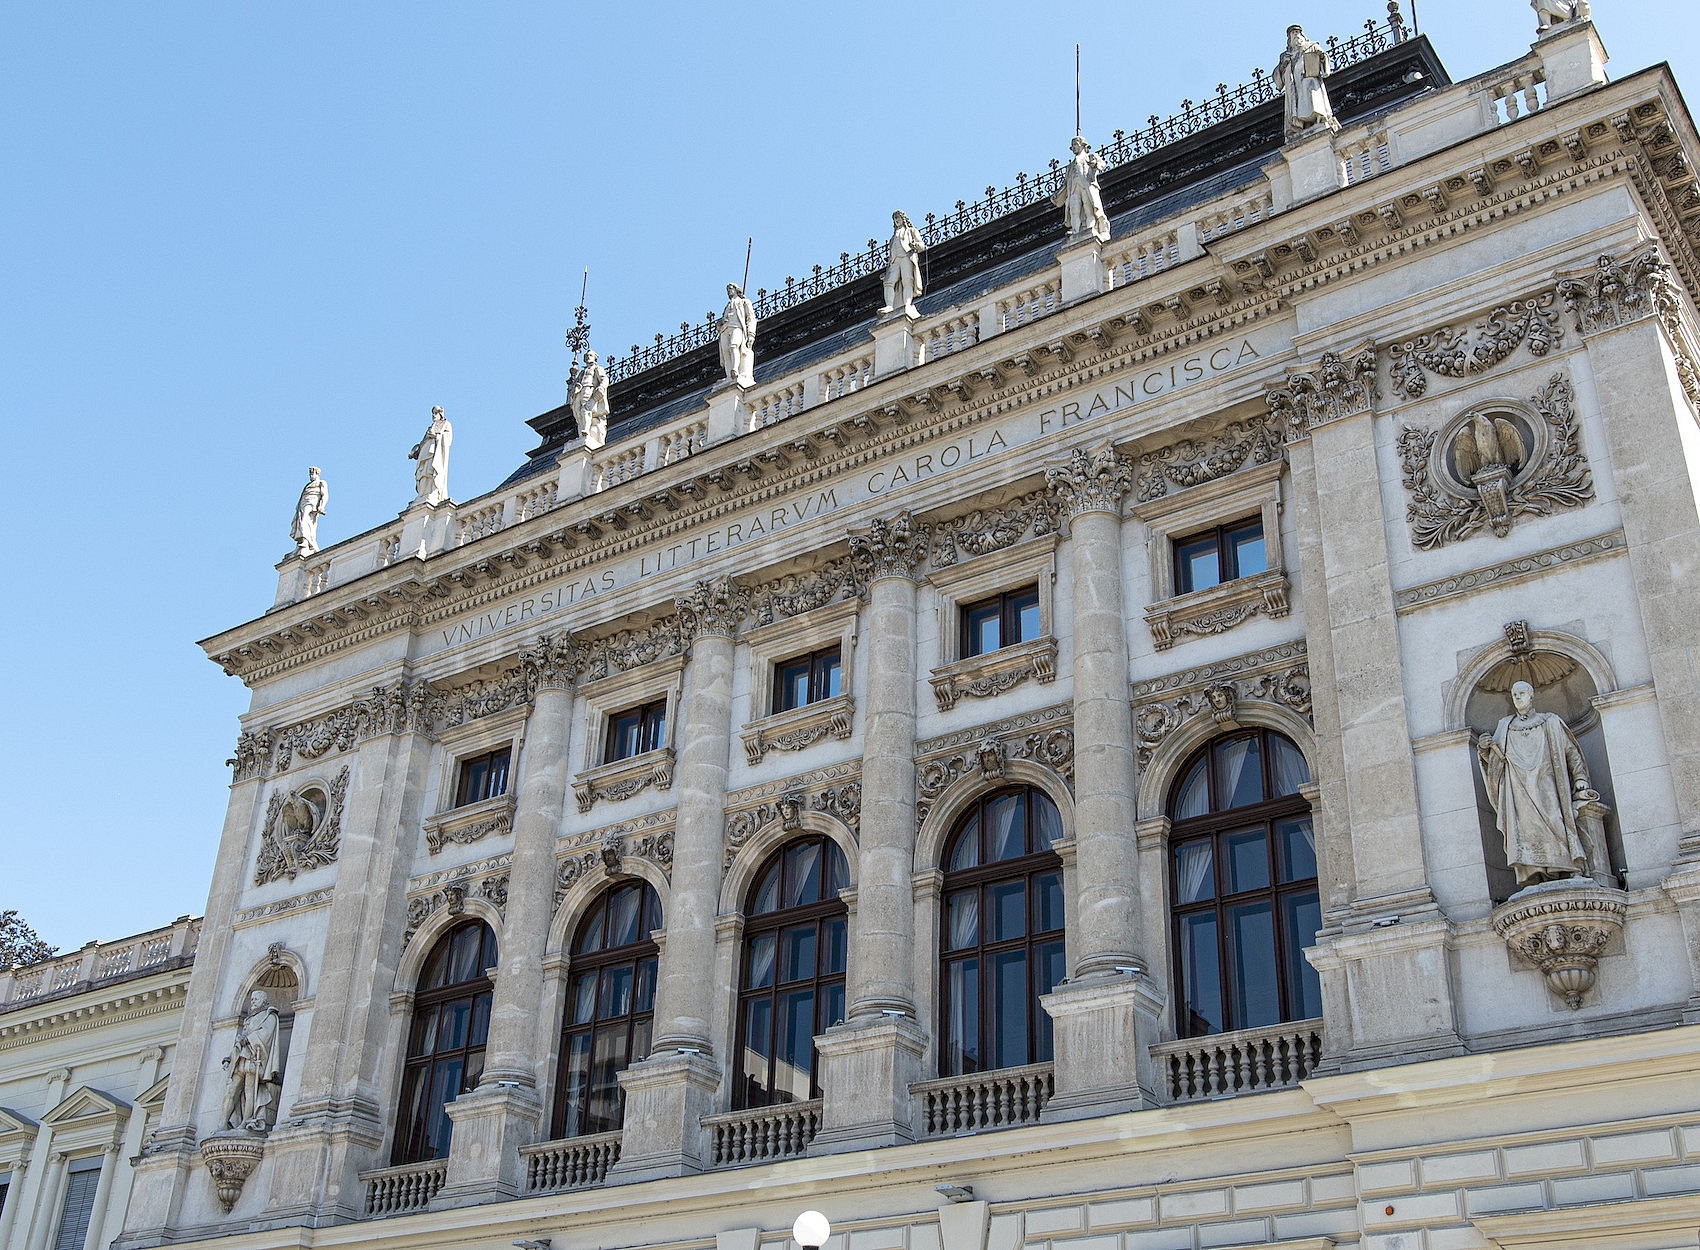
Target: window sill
[(799, 727), (1217, 609), (470, 822), (624, 778), (981, 676)]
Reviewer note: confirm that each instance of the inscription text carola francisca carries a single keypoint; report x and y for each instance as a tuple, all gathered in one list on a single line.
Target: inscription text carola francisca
[(1026, 426)]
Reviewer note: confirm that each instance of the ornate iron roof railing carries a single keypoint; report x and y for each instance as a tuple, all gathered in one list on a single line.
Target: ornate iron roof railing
[(1158, 133)]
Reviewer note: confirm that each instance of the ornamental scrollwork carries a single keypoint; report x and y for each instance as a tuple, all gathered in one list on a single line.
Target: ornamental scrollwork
[(1193, 462), (1493, 464), (797, 593), (988, 756), (549, 663), (626, 649), (253, 755), (1091, 481), (993, 529), (1340, 385), (1220, 700), (1458, 352), (302, 831), (890, 548), (713, 608)]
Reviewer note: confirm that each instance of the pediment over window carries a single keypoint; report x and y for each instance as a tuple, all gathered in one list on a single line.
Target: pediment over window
[(86, 1103), (16, 1122)]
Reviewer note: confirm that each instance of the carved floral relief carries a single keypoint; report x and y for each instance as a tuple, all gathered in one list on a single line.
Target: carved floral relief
[(1457, 352), (303, 830)]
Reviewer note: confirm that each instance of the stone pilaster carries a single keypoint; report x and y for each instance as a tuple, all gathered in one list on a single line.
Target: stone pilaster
[(1106, 1017), (669, 1092), (869, 1062), (505, 1111), (1081, 265), (1400, 1004)]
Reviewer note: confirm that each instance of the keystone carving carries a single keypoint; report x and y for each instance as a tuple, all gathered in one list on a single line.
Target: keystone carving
[(303, 830), (1220, 700), (1091, 481), (787, 810), (1192, 462), (989, 756), (1456, 353), (893, 548)]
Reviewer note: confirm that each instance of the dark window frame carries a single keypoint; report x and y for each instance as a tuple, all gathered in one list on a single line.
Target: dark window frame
[(1030, 867), (1227, 552), (822, 664), (830, 918), (1007, 608), (649, 731), (575, 1114), (1217, 826), (477, 778), (422, 1059)]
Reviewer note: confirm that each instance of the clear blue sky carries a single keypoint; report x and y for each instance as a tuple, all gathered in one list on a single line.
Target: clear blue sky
[(241, 239)]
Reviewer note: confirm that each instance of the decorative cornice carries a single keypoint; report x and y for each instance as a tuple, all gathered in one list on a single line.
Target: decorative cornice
[(1217, 609), (296, 902), (472, 823), (1454, 352), (986, 530), (1472, 580), (890, 548), (798, 728), (982, 676), (624, 778), (1193, 462), (1091, 481), (713, 608)]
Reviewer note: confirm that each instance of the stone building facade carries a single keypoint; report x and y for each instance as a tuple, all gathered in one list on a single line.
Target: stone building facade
[(1030, 768), (86, 1044)]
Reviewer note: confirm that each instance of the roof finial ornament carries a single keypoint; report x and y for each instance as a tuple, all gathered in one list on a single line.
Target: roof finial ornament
[(578, 338)]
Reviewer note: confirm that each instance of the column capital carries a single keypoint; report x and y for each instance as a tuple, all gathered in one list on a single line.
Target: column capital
[(1340, 384), (1614, 292), (890, 548), (1091, 481), (713, 608), (550, 663)]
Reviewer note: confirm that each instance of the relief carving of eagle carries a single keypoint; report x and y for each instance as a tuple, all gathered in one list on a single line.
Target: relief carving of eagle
[(1484, 441)]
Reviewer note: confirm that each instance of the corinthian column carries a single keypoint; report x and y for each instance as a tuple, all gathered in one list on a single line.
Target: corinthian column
[(868, 1063), (505, 1112), (668, 1093), (1106, 1015)]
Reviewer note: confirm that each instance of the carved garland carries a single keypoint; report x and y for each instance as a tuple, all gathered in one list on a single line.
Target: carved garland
[(616, 844), (797, 593), (1155, 721), (1456, 353), (788, 808), (452, 895), (993, 529), (1050, 745), (1193, 462)]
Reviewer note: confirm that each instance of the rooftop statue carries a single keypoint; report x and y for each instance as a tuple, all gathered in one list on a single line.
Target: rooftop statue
[(1538, 784), (431, 460), (1082, 205), (738, 337), (587, 393), (308, 509), (903, 269), (1550, 13), (252, 1069), (1298, 76)]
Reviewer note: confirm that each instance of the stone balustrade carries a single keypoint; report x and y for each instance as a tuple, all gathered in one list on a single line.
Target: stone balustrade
[(763, 1134), (846, 378), (1234, 215), (950, 336), (984, 1100), (571, 1163), (1365, 158), (1143, 258), (1245, 1062), (100, 963), (471, 526), (399, 1190), (1025, 307)]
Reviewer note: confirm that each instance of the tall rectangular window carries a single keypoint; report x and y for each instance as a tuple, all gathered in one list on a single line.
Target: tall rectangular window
[(634, 732), (74, 1216), (806, 679), (1220, 555), (1001, 621), (483, 777)]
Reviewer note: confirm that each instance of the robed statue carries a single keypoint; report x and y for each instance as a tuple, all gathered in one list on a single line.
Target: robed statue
[(252, 1069), (308, 509), (430, 456), (1298, 77)]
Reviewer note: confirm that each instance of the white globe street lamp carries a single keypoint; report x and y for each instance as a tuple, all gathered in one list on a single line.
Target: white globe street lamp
[(811, 1230)]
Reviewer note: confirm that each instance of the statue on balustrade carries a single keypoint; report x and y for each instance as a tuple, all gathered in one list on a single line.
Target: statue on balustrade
[(308, 509), (1547, 811), (253, 1069), (430, 456), (738, 337), (1550, 13), (903, 267), (1082, 205), (587, 393), (1298, 76)]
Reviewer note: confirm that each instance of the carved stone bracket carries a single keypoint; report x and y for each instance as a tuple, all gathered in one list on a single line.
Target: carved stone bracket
[(475, 821), (1616, 292), (1492, 464), (797, 593), (303, 830), (1091, 481), (713, 608), (993, 529), (1562, 928), (1457, 352), (800, 727), (894, 548), (1220, 698), (231, 1159), (1193, 462), (624, 778), (1339, 385), (982, 676)]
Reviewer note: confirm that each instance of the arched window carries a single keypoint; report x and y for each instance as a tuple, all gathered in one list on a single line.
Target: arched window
[(793, 975), (1002, 933), (610, 1010), (1242, 857), (445, 1045)]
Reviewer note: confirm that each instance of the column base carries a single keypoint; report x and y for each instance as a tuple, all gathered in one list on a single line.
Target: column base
[(867, 1067), (666, 1097), (1102, 1027), (313, 1164), (491, 1124)]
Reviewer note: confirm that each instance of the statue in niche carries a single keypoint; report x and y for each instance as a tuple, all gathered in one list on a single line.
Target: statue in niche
[(738, 337), (903, 269), (1082, 205), (587, 393), (1298, 77), (430, 456), (308, 509), (1547, 810), (1550, 13), (253, 1069)]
